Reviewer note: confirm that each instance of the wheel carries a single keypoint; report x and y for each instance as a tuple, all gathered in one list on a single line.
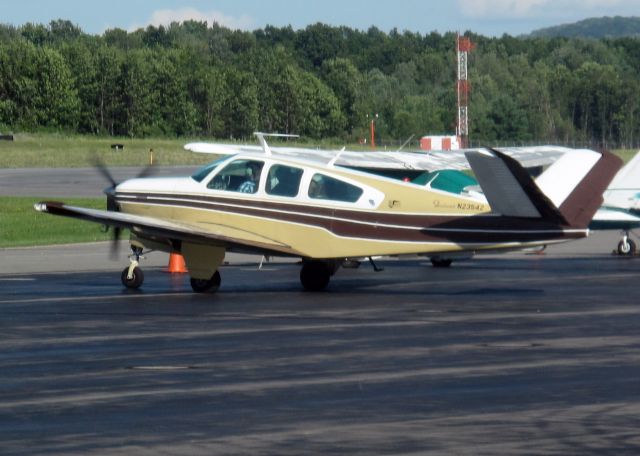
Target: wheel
[(315, 275), (205, 285), (135, 281), (438, 262), (626, 248)]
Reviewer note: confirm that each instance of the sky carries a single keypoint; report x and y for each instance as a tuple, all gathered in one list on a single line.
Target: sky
[(486, 17)]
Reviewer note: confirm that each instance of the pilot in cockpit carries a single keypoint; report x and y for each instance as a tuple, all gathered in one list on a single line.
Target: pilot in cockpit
[(252, 174)]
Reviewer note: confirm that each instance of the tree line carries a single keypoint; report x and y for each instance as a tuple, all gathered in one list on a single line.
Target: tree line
[(191, 79)]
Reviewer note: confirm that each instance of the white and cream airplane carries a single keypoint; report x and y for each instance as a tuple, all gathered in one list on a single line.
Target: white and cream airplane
[(309, 207)]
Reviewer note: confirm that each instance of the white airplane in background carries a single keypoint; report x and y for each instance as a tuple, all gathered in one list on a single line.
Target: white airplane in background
[(310, 208), (390, 163), (621, 207)]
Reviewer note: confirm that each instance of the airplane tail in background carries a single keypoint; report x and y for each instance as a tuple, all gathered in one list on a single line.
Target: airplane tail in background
[(569, 192), (624, 190)]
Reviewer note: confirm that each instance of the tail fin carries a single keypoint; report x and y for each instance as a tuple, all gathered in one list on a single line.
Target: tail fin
[(568, 193)]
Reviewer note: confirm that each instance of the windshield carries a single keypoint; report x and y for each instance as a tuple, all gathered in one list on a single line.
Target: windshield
[(203, 172)]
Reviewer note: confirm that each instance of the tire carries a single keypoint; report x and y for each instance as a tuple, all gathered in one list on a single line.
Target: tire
[(627, 249), (441, 262), (206, 285), (315, 275), (136, 281)]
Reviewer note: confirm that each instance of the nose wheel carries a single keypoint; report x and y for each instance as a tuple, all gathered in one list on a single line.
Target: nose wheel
[(132, 276)]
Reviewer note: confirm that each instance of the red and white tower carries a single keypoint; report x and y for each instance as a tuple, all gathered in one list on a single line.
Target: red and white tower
[(463, 47)]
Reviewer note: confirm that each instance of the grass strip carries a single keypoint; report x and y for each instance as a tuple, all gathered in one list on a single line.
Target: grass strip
[(21, 225)]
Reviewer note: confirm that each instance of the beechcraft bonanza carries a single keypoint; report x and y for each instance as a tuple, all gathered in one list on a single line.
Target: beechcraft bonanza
[(262, 202)]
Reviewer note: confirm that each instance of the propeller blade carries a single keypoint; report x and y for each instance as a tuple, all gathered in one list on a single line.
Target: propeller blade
[(149, 170), (112, 204), (102, 169), (114, 242)]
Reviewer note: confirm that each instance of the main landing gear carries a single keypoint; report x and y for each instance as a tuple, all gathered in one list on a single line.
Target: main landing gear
[(626, 246), (315, 274), (206, 285), (439, 262)]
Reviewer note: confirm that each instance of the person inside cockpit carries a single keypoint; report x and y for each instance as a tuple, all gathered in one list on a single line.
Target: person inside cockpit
[(252, 174)]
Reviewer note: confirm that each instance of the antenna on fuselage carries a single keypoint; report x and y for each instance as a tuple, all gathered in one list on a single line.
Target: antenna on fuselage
[(263, 143)]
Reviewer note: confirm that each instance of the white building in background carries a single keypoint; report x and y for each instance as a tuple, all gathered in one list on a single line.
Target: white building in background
[(439, 142)]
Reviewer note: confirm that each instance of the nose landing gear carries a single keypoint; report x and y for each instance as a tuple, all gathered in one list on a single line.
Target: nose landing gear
[(132, 276)]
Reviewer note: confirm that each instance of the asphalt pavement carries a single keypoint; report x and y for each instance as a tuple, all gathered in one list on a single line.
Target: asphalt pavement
[(72, 182), (507, 354)]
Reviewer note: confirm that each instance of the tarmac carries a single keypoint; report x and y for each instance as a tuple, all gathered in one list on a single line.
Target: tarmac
[(518, 353)]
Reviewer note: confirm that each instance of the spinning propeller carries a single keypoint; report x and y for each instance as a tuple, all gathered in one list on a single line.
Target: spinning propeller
[(112, 204)]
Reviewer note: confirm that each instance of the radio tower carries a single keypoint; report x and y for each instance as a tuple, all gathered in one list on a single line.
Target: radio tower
[(463, 46)]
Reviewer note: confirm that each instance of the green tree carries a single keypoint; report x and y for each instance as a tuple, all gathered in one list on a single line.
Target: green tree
[(345, 80)]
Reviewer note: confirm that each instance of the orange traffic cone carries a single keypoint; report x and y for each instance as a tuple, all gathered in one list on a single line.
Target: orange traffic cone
[(176, 264)]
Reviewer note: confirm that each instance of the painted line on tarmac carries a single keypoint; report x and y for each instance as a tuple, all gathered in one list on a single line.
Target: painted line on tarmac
[(95, 298)]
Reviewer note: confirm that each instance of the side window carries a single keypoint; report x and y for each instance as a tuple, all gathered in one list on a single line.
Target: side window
[(283, 180), (238, 176), (328, 188)]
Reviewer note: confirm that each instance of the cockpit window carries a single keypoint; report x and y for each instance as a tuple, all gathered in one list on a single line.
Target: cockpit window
[(238, 176), (203, 172), (283, 180), (328, 188)]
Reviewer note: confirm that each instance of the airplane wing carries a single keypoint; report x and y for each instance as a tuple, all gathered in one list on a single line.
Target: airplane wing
[(611, 218), (388, 160), (158, 229)]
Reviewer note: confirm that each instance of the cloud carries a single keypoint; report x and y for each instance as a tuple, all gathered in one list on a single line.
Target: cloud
[(536, 8), (167, 16)]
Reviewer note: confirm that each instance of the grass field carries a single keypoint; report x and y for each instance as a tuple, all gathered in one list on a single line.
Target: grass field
[(63, 151), (21, 225), (41, 150)]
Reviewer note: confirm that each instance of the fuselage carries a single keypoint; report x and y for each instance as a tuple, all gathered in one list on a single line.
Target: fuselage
[(302, 208)]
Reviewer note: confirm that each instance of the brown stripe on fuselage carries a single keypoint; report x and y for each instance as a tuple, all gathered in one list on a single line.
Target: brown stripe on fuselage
[(362, 224)]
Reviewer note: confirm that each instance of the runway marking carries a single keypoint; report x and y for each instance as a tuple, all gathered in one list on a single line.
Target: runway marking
[(96, 298), (160, 368)]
